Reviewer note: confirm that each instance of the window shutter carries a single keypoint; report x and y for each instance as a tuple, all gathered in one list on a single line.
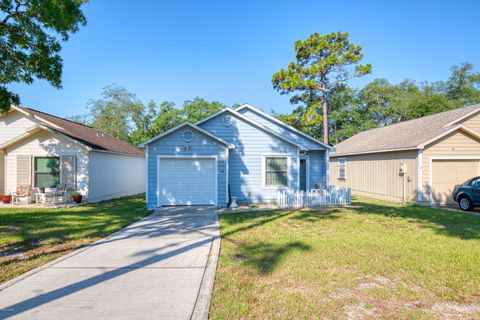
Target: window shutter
[(24, 170), (68, 171)]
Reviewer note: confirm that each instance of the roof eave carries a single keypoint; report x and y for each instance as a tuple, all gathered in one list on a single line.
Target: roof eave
[(334, 155), (462, 117), (420, 146), (246, 105), (253, 122), (453, 129), (193, 126)]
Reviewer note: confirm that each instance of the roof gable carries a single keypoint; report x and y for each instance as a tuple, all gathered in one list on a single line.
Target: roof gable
[(462, 128), (89, 136), (407, 135), (194, 127), (283, 128), (253, 123)]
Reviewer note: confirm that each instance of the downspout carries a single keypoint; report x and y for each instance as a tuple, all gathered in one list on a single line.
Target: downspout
[(420, 176)]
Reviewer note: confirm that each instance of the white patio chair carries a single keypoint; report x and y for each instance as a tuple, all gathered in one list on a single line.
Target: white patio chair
[(23, 192), (60, 192)]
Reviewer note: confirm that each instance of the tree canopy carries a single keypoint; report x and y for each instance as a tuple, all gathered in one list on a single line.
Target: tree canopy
[(322, 63), (381, 103), (30, 35), (121, 114)]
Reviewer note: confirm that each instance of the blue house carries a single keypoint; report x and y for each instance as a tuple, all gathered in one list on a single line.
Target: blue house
[(242, 153)]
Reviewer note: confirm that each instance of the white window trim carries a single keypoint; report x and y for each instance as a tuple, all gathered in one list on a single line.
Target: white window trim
[(33, 179), (264, 169), (215, 158), (345, 169)]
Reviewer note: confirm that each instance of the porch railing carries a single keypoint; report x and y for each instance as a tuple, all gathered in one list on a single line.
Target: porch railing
[(314, 198)]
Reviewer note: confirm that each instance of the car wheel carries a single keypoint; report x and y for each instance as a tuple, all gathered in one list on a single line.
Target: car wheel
[(465, 204)]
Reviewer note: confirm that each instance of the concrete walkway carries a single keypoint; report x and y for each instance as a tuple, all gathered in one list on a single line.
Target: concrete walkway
[(152, 269)]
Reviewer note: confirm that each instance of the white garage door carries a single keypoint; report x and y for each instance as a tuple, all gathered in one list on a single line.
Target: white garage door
[(186, 181), (446, 174)]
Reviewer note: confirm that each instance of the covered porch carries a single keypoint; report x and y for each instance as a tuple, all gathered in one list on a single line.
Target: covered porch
[(39, 168)]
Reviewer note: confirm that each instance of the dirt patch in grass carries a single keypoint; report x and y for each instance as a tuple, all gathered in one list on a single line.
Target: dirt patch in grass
[(372, 260)]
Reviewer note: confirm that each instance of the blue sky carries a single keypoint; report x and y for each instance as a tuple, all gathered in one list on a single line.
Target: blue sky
[(228, 50)]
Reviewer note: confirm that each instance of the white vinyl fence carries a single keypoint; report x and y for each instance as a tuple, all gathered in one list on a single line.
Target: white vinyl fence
[(314, 198)]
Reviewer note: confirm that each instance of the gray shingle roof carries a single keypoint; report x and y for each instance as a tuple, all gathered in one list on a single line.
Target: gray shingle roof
[(403, 135)]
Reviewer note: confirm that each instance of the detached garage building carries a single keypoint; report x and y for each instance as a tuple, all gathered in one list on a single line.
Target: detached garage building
[(420, 160)]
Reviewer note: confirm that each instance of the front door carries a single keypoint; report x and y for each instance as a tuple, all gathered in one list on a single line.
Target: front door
[(303, 174)]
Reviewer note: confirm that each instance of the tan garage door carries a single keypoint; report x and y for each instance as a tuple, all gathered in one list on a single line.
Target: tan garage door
[(446, 174)]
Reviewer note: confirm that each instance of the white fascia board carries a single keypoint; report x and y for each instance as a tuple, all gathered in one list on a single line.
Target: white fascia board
[(333, 155), (254, 123), (463, 117), (28, 132), (38, 118), (191, 125), (459, 127), (421, 146), (266, 115)]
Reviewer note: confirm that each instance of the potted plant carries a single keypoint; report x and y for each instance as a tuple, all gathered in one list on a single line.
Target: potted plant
[(77, 197), (6, 198)]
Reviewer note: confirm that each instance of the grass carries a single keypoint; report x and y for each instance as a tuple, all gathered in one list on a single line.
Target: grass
[(371, 260), (41, 235)]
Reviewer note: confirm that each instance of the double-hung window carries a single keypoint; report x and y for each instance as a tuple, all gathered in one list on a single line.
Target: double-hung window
[(276, 171), (342, 169), (46, 172)]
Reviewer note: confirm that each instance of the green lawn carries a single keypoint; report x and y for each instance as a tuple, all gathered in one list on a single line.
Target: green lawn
[(41, 235), (371, 260)]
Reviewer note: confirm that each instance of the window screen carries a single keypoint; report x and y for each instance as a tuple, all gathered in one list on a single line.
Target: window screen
[(276, 171), (342, 169), (47, 172)]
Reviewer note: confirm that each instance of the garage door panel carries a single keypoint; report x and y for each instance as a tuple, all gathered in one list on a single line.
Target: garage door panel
[(446, 174), (187, 181)]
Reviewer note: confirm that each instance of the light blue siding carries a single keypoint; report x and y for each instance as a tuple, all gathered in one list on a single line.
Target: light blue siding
[(317, 168), (281, 130), (172, 145), (245, 161)]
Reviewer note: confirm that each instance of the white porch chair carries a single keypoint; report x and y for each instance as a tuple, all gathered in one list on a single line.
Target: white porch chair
[(23, 192), (60, 192)]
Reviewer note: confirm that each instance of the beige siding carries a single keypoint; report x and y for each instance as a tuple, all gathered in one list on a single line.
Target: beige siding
[(13, 124), (457, 145), (472, 122), (47, 144), (377, 175), (114, 175)]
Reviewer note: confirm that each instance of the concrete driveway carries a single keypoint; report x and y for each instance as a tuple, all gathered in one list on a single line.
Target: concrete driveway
[(152, 269)]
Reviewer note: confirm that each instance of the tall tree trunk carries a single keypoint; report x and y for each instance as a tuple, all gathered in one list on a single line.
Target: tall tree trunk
[(324, 113)]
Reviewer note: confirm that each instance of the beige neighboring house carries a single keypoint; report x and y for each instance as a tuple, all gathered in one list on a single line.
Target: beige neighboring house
[(43, 150), (420, 160)]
